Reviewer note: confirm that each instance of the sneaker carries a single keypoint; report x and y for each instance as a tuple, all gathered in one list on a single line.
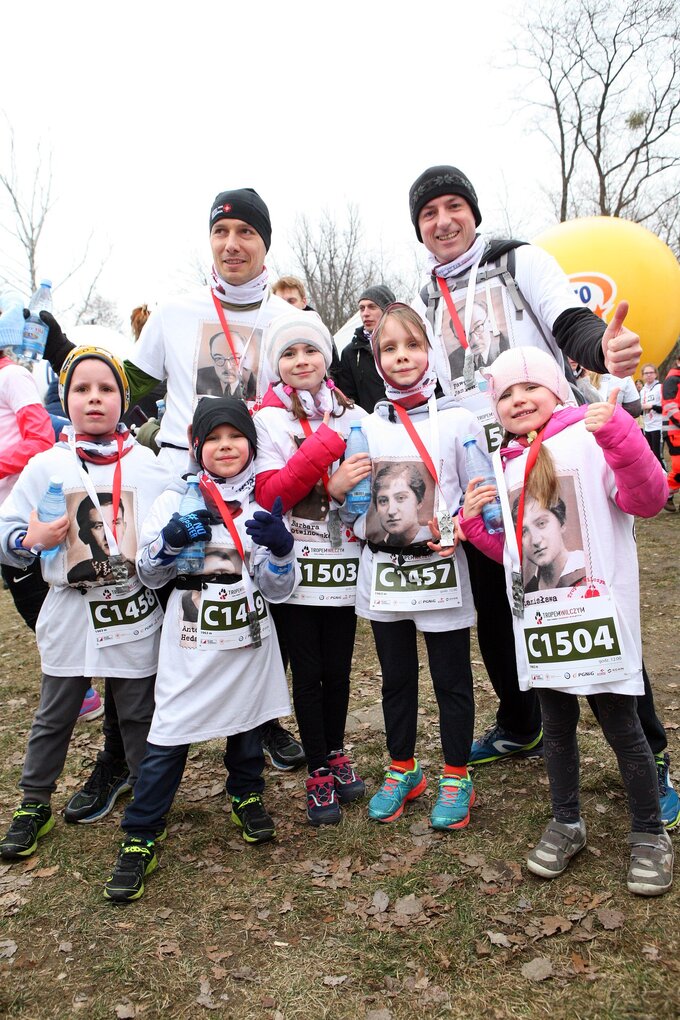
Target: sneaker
[(282, 749), (91, 707), (322, 798), (348, 785), (398, 786), (30, 823), (136, 860), (108, 781), (668, 797), (452, 809), (250, 815), (651, 864), (556, 847), (497, 743), (670, 506)]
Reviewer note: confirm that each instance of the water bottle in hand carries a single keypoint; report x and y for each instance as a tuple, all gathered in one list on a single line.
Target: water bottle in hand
[(50, 508), (192, 557), (35, 330), (358, 499), (477, 463)]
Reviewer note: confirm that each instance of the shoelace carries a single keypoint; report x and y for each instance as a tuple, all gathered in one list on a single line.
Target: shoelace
[(324, 790), (449, 791), (254, 798)]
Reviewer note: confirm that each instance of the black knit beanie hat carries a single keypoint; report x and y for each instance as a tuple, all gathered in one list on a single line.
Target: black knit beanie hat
[(243, 204), (437, 181), (380, 295), (214, 411)]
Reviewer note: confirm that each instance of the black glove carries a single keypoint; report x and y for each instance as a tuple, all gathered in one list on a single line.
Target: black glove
[(270, 531), (182, 531), (57, 346)]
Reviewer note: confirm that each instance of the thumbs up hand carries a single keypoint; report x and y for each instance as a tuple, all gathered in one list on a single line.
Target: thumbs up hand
[(620, 346), (599, 414)]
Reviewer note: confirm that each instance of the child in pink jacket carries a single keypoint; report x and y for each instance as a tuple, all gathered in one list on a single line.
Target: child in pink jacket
[(570, 480)]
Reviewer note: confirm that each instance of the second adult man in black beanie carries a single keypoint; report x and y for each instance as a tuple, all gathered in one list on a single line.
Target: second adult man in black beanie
[(357, 376)]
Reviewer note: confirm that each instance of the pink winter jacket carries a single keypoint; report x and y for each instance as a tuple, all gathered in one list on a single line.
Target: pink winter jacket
[(304, 469), (640, 481)]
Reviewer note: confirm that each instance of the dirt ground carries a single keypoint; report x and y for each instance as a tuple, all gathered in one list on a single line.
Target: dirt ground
[(376, 922)]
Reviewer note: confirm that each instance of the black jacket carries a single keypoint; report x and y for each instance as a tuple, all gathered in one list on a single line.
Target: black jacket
[(357, 376)]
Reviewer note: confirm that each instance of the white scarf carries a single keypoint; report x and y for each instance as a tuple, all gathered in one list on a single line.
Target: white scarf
[(251, 293), (314, 405), (463, 262), (94, 449), (237, 489)]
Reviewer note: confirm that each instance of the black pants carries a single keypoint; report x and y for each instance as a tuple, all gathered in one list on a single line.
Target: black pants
[(448, 654), (161, 773), (621, 727), (655, 443), (320, 642), (518, 711), (28, 589)]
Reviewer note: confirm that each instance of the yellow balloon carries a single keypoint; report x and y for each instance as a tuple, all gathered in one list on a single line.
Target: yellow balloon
[(610, 260)]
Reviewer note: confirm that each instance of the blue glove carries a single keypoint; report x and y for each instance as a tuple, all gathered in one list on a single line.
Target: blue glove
[(182, 531), (270, 531)]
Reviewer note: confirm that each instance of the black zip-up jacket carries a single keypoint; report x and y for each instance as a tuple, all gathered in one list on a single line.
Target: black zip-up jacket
[(357, 376)]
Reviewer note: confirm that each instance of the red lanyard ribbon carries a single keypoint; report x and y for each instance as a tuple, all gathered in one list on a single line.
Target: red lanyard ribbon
[(458, 327), (417, 441), (530, 461), (308, 431), (225, 326), (208, 487)]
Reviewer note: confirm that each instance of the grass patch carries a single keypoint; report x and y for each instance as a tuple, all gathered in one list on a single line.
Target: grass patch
[(362, 919)]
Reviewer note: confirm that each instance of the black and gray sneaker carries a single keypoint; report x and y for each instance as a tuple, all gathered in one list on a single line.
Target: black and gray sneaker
[(281, 747), (30, 823), (250, 815), (108, 781), (136, 860)]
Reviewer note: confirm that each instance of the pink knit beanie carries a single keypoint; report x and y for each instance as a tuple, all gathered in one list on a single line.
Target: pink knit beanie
[(522, 365)]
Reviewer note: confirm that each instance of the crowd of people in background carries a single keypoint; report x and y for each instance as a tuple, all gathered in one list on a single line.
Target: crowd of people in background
[(203, 552)]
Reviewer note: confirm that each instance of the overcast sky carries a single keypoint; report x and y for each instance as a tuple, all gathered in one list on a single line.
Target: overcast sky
[(149, 109)]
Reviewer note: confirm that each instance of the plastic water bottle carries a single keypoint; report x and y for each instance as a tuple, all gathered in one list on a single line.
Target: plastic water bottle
[(358, 499), (477, 463), (192, 556), (51, 506), (160, 410), (35, 330)]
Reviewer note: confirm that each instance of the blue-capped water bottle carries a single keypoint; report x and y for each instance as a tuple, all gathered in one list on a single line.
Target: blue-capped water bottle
[(358, 499), (35, 330), (160, 409), (192, 556), (50, 508), (477, 463)]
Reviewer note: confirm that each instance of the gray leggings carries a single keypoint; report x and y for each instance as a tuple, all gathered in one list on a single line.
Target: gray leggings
[(57, 714), (621, 727)]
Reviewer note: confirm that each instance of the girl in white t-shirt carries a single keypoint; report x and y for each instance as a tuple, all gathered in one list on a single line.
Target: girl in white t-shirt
[(407, 583), (590, 470), (302, 431)]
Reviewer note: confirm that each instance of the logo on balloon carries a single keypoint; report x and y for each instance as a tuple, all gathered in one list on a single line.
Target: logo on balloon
[(596, 291)]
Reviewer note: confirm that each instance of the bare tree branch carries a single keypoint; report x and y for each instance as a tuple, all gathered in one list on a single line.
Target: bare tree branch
[(609, 75)]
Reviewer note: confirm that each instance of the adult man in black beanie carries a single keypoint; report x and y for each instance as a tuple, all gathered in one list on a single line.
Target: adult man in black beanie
[(530, 302), (357, 376), (175, 344)]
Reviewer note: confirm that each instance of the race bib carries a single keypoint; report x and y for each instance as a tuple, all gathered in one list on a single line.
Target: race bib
[(117, 618), (416, 585), (329, 575), (477, 403), (572, 642), (223, 617)]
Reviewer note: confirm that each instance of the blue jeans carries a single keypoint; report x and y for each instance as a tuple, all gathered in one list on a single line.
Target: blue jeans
[(161, 773)]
